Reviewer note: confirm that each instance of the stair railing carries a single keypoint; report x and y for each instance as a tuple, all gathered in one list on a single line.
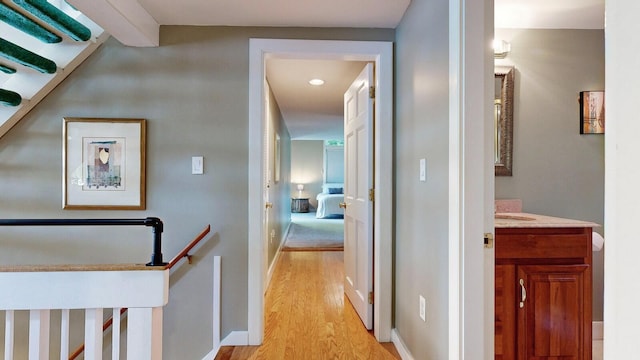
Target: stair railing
[(42, 288), (181, 255), (156, 223)]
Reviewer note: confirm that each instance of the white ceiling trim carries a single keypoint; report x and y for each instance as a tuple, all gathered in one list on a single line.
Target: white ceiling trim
[(137, 22), (125, 20), (308, 13)]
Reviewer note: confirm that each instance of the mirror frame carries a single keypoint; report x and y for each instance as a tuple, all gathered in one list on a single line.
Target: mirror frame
[(504, 166)]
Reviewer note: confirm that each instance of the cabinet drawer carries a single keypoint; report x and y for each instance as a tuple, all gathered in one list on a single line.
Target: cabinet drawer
[(546, 246)]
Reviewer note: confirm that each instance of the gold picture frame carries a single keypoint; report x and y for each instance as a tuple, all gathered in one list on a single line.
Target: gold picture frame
[(591, 112), (503, 120), (104, 164), (276, 159)]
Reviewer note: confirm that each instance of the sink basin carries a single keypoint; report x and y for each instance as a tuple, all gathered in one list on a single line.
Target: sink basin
[(513, 217)]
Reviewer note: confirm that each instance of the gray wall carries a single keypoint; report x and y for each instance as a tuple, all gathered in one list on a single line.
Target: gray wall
[(421, 217), (556, 171), (280, 214), (193, 91), (306, 168)]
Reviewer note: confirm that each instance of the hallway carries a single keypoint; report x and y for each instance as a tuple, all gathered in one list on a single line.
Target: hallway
[(308, 316)]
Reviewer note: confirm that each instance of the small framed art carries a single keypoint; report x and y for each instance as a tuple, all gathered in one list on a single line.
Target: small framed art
[(592, 112), (103, 164)]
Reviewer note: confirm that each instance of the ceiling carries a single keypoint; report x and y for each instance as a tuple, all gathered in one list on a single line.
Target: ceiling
[(316, 113), (311, 112), (549, 14)]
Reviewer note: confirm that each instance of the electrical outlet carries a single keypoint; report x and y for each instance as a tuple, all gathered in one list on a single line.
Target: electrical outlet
[(423, 170), (423, 308)]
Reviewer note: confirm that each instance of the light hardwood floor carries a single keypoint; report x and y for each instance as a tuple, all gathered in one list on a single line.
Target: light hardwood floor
[(308, 315)]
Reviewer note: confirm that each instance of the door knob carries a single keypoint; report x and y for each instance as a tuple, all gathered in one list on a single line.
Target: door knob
[(342, 205), (268, 205)]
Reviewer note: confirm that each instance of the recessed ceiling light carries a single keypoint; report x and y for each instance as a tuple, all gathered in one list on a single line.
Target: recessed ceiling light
[(316, 82)]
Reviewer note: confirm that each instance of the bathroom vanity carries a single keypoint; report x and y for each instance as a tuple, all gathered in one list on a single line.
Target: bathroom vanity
[(542, 287)]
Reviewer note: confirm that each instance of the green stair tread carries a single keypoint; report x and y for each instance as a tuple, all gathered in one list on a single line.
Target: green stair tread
[(56, 18), (9, 98), (25, 57), (24, 24), (7, 69)]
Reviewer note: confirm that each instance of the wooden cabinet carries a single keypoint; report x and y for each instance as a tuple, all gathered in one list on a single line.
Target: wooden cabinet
[(543, 293)]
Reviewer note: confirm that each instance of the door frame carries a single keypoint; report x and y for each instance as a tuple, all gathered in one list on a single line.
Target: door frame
[(471, 179), (381, 53)]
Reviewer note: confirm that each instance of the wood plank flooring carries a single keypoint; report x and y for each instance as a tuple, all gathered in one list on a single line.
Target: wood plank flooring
[(307, 315)]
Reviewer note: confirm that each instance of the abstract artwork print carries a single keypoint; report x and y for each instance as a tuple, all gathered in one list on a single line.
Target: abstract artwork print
[(103, 161)]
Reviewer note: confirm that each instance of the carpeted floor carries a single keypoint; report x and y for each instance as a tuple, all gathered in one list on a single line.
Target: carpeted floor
[(310, 234)]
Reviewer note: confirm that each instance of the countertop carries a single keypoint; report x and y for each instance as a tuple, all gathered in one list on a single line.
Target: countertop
[(526, 220)]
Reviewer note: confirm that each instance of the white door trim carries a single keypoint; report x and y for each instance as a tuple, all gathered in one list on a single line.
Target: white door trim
[(469, 72), (382, 54)]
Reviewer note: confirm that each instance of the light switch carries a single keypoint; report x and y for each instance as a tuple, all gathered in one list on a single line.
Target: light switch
[(197, 165), (423, 169)]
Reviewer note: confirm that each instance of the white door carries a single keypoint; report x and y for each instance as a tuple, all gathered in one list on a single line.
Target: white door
[(266, 184), (358, 180)]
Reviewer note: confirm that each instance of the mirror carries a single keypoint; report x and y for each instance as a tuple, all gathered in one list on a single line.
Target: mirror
[(503, 120)]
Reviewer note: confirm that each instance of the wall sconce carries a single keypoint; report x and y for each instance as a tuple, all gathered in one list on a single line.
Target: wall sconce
[(500, 49), (300, 188)]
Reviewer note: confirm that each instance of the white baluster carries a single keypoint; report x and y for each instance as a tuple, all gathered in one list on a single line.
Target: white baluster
[(9, 326), (216, 301), (115, 335), (64, 334), (144, 333), (39, 321), (93, 334)]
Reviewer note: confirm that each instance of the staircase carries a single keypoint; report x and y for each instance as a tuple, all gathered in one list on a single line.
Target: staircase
[(48, 294), (41, 43)]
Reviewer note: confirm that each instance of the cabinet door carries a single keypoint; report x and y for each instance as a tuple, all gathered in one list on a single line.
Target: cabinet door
[(553, 312), (505, 312)]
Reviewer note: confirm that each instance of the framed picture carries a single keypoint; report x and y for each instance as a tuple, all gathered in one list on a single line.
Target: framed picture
[(592, 112), (276, 159), (104, 164)]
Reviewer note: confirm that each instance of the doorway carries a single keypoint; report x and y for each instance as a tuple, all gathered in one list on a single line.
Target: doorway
[(381, 54), (317, 221)]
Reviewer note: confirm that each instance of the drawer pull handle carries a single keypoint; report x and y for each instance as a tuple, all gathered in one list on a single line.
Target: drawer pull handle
[(523, 293)]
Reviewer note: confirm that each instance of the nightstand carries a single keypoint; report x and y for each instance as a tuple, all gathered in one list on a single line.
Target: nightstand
[(300, 205)]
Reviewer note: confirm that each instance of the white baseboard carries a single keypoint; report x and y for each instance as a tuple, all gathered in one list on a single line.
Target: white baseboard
[(236, 338), (400, 346), (216, 309), (597, 330), (276, 257), (286, 232), (272, 268), (212, 355)]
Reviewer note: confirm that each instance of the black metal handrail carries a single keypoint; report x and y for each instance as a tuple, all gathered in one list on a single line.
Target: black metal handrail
[(156, 223)]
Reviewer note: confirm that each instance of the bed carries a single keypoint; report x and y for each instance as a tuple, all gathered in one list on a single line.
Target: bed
[(329, 201)]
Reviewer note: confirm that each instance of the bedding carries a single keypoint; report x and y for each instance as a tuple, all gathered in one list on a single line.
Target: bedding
[(329, 201)]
